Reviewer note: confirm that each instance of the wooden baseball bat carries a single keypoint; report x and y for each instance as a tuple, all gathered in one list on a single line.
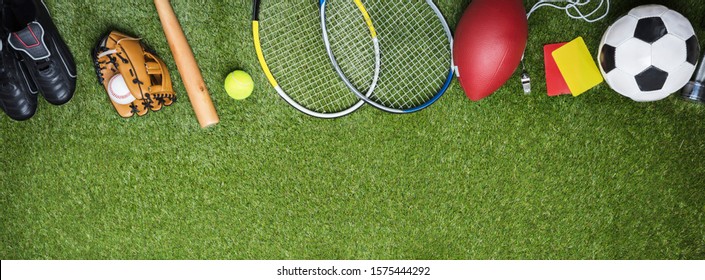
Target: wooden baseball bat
[(187, 65)]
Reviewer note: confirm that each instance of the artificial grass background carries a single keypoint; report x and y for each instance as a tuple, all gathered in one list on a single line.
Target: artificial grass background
[(513, 176)]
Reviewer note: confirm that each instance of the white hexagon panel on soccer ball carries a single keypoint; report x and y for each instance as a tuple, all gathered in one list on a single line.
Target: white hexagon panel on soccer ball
[(669, 53), (620, 31), (678, 77), (633, 56), (678, 25), (623, 83), (651, 96), (647, 11)]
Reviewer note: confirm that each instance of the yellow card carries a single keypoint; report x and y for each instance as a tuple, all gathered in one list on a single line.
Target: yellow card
[(577, 66)]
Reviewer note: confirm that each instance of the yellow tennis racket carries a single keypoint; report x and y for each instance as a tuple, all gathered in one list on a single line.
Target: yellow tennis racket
[(290, 48)]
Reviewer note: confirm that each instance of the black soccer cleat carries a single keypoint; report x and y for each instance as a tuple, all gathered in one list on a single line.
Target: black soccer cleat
[(18, 94), (45, 55)]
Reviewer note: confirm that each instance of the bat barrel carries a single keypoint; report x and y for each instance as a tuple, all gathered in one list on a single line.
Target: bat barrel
[(187, 65)]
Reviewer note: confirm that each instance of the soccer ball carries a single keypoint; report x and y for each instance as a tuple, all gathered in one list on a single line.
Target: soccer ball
[(649, 53)]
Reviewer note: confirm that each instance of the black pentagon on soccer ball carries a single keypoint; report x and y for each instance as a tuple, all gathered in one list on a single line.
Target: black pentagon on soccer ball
[(650, 29), (693, 50), (608, 59), (651, 79)]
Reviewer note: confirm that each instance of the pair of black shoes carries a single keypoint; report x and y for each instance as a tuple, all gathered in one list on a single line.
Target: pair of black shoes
[(34, 59)]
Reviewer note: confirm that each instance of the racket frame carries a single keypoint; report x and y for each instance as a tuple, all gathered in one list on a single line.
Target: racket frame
[(272, 79), (366, 98)]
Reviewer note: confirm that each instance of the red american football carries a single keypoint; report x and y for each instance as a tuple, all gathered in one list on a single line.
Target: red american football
[(489, 43)]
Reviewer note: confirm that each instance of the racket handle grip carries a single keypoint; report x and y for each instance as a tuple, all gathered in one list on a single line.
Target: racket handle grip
[(255, 9)]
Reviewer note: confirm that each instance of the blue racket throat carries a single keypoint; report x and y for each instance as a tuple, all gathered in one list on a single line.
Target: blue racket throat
[(446, 85)]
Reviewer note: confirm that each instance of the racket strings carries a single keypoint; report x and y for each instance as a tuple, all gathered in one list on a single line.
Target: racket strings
[(351, 43), (292, 46), (415, 51)]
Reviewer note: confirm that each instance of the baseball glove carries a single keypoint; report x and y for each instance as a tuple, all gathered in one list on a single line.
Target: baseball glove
[(136, 80)]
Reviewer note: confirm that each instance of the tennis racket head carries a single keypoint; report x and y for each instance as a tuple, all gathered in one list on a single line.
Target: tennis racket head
[(291, 52), (351, 42), (415, 45)]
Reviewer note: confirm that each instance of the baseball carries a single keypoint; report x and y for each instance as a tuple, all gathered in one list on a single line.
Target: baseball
[(118, 91)]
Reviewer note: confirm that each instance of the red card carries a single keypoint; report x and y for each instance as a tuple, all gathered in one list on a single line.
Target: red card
[(555, 83)]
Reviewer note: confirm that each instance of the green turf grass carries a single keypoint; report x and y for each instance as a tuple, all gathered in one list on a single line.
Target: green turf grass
[(513, 176)]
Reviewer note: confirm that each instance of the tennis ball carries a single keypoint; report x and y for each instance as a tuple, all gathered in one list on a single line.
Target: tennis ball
[(239, 85)]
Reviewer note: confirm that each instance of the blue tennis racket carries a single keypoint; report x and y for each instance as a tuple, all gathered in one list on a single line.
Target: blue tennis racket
[(414, 53)]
